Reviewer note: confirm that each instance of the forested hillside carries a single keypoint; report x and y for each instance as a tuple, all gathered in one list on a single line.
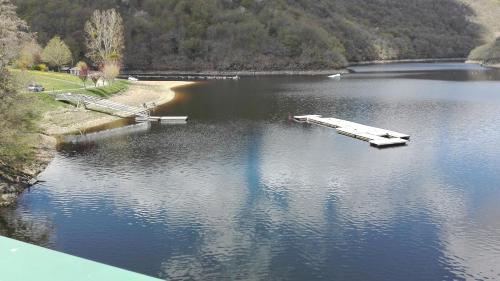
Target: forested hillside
[(488, 53), (265, 34)]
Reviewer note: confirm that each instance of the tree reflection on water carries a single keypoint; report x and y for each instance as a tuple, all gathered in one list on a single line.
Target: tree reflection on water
[(34, 230)]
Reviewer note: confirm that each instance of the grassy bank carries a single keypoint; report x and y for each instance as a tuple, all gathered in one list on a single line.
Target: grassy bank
[(26, 146), (55, 83), (30, 109)]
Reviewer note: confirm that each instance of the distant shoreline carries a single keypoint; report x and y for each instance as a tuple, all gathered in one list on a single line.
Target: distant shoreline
[(494, 65), (430, 60), (160, 74)]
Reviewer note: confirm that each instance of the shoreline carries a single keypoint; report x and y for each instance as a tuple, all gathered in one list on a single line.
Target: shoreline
[(166, 73), (70, 120), (163, 73), (64, 121), (430, 60)]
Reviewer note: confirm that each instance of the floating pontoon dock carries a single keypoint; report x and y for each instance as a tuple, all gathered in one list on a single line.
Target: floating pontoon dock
[(163, 119), (375, 136)]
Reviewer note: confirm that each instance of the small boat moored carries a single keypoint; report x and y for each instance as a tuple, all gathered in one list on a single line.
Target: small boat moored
[(337, 76)]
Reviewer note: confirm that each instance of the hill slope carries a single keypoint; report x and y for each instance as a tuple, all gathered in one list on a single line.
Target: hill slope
[(266, 34), (487, 14)]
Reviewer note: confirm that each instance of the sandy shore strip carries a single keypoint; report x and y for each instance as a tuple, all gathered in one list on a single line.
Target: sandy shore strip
[(148, 92), (79, 120)]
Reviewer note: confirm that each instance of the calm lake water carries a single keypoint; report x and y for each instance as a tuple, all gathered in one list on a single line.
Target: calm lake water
[(242, 193)]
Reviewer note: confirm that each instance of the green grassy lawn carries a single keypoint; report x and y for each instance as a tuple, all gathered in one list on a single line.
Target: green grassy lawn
[(55, 83), (51, 81), (61, 82), (117, 86)]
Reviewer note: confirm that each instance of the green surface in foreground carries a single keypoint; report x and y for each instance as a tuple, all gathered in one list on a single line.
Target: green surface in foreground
[(26, 262)]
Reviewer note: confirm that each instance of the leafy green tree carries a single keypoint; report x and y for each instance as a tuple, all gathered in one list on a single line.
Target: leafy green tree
[(56, 53)]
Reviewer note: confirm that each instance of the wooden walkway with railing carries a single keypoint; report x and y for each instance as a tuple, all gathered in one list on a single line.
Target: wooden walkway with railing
[(119, 109)]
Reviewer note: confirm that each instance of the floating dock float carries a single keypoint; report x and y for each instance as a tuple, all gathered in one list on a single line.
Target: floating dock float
[(163, 119), (375, 136)]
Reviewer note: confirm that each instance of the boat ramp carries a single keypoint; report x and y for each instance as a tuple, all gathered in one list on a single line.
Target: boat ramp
[(375, 136), (92, 102), (141, 114)]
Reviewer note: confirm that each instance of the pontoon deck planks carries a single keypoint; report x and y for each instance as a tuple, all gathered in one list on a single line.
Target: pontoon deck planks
[(375, 136)]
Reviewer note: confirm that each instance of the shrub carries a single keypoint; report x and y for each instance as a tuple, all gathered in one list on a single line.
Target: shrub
[(43, 67)]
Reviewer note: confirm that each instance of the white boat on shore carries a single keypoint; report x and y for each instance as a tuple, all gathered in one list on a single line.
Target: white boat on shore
[(338, 75)]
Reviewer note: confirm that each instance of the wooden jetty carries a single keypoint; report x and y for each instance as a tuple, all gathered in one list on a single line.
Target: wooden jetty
[(118, 109), (375, 136)]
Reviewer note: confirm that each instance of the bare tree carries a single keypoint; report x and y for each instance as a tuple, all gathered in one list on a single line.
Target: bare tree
[(104, 36), (13, 32), (83, 72), (95, 76), (56, 53), (110, 71), (30, 55)]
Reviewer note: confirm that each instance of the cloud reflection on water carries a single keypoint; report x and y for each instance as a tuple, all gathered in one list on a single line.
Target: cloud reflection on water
[(256, 200)]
